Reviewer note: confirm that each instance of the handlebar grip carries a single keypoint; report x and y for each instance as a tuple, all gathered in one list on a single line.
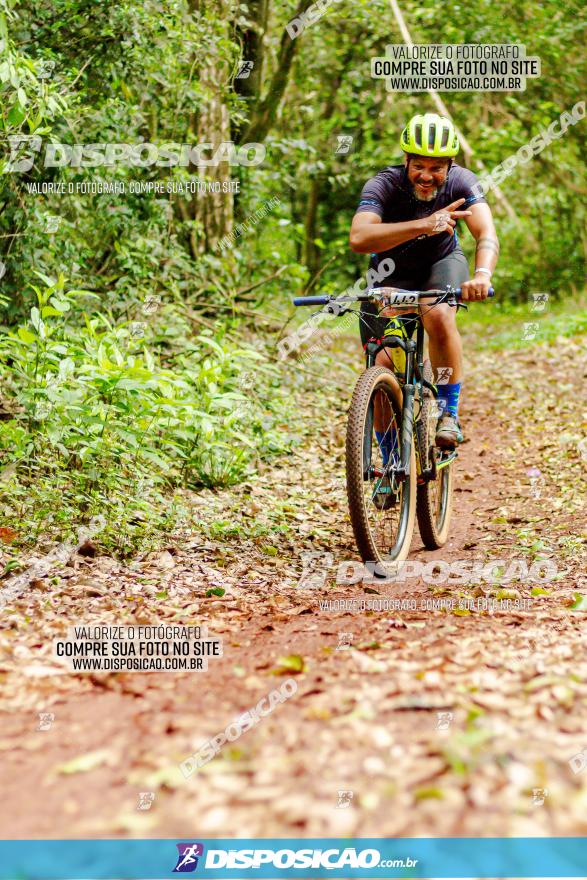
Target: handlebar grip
[(490, 292), (311, 300)]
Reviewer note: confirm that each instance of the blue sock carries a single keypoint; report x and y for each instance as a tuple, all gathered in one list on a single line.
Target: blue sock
[(448, 398), (386, 443)]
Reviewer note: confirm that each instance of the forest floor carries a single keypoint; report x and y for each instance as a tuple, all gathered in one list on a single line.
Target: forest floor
[(360, 749)]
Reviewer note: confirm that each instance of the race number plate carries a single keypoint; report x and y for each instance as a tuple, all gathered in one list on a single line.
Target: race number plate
[(389, 297), (400, 299)]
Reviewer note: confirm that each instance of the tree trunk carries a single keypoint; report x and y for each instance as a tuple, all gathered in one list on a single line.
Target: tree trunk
[(297, 217), (251, 37), (266, 109), (212, 212), (312, 255)]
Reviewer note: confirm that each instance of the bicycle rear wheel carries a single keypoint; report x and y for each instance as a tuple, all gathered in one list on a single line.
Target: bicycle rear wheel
[(382, 507), (435, 476)]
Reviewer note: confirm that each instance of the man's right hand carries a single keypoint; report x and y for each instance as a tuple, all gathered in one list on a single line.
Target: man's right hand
[(444, 220)]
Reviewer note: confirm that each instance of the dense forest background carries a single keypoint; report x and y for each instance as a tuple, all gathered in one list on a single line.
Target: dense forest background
[(137, 355)]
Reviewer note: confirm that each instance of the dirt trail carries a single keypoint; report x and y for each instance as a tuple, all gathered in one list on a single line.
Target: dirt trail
[(365, 718)]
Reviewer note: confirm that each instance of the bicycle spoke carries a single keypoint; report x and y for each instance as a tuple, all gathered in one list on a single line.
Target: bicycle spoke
[(382, 490)]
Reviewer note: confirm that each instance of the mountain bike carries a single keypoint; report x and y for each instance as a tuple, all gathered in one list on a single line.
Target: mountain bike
[(394, 472)]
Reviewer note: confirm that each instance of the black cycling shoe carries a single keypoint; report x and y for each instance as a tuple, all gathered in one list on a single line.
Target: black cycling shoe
[(448, 432)]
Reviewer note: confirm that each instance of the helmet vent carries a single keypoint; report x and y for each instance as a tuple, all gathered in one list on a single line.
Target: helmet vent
[(431, 135)]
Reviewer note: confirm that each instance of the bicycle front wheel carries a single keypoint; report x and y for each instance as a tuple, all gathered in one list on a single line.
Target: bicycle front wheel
[(435, 477), (382, 505)]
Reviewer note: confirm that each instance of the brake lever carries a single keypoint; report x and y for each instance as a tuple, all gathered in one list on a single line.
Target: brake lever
[(449, 299), (337, 312)]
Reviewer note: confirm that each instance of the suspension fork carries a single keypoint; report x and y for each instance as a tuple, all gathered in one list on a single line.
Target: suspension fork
[(371, 351), (408, 391), (420, 361), (407, 430), (420, 347), (407, 426)]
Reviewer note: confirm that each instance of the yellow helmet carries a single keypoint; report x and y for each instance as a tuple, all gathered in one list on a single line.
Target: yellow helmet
[(431, 135)]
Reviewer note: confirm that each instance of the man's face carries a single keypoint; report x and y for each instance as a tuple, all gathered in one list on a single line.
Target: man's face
[(426, 176)]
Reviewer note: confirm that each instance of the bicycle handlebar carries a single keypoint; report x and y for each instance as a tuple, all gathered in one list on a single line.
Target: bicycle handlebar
[(363, 297), (490, 292), (311, 300)]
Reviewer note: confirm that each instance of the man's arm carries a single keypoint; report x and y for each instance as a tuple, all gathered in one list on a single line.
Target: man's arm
[(481, 225), (370, 235)]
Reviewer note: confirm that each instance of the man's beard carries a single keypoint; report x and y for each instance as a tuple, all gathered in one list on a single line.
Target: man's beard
[(427, 198)]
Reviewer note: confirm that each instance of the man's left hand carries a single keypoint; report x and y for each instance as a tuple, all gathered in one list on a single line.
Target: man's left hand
[(476, 288)]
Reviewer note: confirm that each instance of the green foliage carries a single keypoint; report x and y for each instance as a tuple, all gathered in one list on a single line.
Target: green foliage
[(543, 249), (499, 324), (101, 419), (125, 384)]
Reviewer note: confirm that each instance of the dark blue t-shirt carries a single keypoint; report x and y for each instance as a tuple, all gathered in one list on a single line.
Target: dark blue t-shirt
[(390, 195)]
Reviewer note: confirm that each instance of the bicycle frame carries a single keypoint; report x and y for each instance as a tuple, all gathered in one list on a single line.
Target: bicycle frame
[(414, 351), (413, 378)]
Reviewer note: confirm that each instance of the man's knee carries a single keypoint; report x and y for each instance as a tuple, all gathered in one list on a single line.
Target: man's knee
[(441, 323)]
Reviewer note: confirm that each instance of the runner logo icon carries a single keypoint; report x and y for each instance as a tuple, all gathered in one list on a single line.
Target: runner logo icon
[(187, 860)]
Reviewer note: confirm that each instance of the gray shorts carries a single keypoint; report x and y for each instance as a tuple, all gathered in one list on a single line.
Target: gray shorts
[(452, 270)]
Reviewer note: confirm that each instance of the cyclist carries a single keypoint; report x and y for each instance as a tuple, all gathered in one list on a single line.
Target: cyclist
[(408, 213)]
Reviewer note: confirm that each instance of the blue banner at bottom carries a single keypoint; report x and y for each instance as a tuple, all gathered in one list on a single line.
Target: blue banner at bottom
[(374, 857)]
